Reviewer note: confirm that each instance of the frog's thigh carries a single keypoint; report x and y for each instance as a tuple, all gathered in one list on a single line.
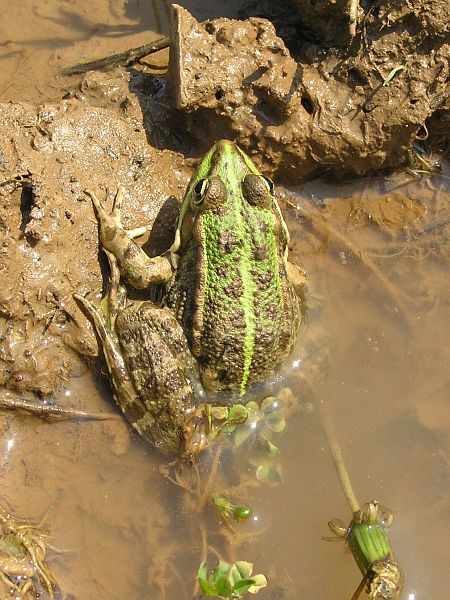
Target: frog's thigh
[(160, 366), (111, 349)]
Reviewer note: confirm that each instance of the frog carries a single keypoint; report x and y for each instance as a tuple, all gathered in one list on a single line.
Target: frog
[(230, 309)]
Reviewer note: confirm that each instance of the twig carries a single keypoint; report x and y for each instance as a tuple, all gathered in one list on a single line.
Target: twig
[(207, 491), (353, 6), (51, 411), (122, 59)]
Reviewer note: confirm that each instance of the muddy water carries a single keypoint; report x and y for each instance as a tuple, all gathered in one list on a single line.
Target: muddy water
[(40, 37), (381, 295), (378, 263)]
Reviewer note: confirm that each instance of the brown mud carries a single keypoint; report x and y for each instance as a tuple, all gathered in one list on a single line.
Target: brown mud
[(345, 110), (377, 254)]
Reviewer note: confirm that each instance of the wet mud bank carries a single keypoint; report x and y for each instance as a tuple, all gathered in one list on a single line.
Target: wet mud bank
[(353, 96), (49, 246)]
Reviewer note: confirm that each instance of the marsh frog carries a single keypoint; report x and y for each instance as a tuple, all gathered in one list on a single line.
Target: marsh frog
[(231, 306)]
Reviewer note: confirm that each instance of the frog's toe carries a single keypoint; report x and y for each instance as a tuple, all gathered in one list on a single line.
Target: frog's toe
[(117, 204), (111, 220), (137, 232), (96, 202)]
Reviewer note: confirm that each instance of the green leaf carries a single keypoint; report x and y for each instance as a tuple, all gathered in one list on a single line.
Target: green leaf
[(227, 427), (244, 568), (271, 449), (259, 582), (271, 404), (208, 587), (222, 570), (243, 586), (219, 412), (238, 414), (393, 73), (234, 576), (202, 571), (269, 474), (242, 512), (276, 421), (241, 434), (223, 587), (225, 507)]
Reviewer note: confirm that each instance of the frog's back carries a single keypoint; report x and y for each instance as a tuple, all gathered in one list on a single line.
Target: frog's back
[(232, 295)]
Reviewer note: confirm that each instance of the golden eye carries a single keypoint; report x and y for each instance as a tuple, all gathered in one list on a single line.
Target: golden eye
[(199, 191), (270, 184)]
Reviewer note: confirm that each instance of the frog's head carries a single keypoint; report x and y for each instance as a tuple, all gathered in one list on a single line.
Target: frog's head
[(226, 181)]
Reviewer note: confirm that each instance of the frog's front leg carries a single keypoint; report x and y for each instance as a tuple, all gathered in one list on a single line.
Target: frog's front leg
[(140, 270)]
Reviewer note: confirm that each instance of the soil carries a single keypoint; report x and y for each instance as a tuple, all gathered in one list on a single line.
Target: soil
[(49, 246), (346, 110)]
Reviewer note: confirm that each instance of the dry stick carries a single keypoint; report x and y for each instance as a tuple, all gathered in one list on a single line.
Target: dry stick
[(51, 411), (359, 589), (336, 454), (122, 59)]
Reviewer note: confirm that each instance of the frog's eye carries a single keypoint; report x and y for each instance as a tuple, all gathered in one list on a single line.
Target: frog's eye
[(257, 190), (199, 191), (208, 194), (270, 184)]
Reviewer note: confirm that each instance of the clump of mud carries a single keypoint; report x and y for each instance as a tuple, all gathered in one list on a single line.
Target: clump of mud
[(346, 110)]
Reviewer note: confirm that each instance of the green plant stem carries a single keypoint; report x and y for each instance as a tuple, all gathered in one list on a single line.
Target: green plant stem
[(338, 459)]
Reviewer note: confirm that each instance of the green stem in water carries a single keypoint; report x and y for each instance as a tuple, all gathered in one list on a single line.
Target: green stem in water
[(336, 454)]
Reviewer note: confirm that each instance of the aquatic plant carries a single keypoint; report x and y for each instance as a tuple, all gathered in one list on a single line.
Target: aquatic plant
[(230, 581)]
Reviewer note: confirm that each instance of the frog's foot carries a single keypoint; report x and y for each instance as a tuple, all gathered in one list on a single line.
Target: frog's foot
[(139, 270), (101, 318), (196, 433), (112, 220)]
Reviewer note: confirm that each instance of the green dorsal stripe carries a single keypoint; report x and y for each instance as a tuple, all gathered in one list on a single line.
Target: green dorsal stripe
[(248, 285)]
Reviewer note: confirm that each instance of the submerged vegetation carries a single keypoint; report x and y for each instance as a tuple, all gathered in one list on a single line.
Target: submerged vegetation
[(24, 573)]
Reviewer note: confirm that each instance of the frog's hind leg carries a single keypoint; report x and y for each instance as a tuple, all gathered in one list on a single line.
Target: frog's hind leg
[(104, 318), (116, 299)]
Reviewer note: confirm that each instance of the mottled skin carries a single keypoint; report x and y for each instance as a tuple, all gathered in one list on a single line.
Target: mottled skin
[(232, 305), (231, 292)]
